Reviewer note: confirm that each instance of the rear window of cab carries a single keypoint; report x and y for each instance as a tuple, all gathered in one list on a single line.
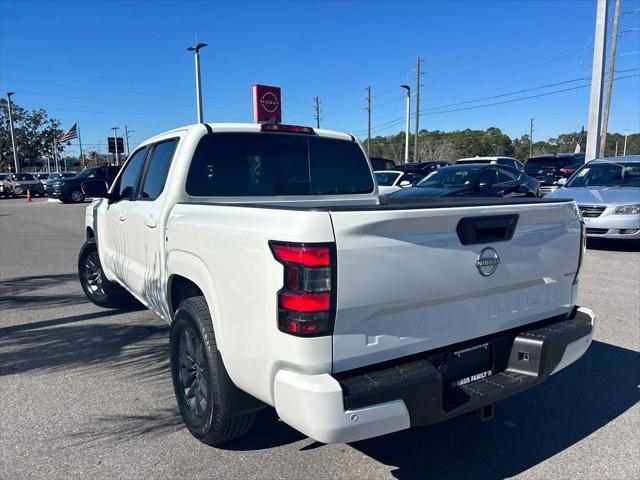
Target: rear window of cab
[(277, 164)]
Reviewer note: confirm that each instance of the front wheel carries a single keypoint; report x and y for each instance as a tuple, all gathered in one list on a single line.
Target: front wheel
[(199, 377), (76, 196), (95, 285)]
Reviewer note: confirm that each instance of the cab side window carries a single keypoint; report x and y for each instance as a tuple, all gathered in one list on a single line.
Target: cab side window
[(128, 180), (157, 169), (506, 175)]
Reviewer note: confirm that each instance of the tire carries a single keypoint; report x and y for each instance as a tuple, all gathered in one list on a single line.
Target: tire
[(199, 376), (96, 287), (76, 196)]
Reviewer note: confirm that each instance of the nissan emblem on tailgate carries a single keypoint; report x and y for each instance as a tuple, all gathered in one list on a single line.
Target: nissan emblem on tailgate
[(487, 261)]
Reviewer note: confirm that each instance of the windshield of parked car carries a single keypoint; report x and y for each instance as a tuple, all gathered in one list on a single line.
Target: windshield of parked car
[(607, 175), (23, 177), (86, 172), (387, 179), (451, 177), (268, 164), (474, 160), (538, 163)]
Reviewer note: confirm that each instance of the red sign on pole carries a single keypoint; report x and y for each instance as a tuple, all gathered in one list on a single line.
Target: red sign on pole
[(267, 106)]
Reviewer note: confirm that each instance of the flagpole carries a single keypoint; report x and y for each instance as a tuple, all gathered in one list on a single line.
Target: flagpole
[(80, 142)]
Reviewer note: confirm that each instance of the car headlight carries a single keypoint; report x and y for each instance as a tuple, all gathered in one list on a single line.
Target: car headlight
[(627, 210)]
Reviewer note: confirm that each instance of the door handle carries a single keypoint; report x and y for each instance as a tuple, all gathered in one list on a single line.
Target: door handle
[(121, 217), (151, 221)]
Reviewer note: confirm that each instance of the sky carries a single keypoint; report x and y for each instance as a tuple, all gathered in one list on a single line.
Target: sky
[(120, 63)]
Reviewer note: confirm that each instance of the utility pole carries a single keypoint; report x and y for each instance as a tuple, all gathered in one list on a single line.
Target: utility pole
[(415, 139), (196, 50), (115, 137), (616, 154), (13, 136), (531, 138), (316, 115), (612, 66), (597, 76), (126, 136), (368, 89), (624, 149), (408, 114)]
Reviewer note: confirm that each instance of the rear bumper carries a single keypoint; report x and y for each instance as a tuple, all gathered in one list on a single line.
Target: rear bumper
[(377, 402)]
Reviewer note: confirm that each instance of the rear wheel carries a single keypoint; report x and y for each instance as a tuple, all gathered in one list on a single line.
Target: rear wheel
[(95, 285), (198, 376)]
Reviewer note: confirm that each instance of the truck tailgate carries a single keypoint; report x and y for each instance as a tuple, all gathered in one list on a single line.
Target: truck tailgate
[(408, 284)]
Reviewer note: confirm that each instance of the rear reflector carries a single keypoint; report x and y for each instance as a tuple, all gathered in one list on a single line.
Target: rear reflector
[(279, 127)]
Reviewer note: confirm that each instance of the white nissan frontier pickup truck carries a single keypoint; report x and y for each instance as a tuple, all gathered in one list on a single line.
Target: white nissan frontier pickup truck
[(289, 282)]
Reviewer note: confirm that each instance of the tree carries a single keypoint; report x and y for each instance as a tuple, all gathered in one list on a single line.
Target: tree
[(35, 134)]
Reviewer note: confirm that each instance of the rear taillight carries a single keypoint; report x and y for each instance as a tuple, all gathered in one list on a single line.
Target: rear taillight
[(307, 301), (583, 249), (567, 171)]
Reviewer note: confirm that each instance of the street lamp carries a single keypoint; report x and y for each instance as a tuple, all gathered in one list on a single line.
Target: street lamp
[(13, 136), (196, 49), (127, 132), (115, 141), (406, 143)]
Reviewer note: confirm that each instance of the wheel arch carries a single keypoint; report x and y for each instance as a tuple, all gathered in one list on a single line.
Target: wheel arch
[(189, 276)]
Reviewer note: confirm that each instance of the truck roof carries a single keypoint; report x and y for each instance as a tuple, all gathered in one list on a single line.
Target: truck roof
[(246, 127)]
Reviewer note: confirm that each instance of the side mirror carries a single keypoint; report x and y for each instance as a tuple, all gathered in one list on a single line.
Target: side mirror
[(97, 188), (562, 181), (405, 183)]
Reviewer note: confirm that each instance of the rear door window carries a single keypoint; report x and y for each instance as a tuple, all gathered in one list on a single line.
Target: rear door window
[(273, 164), (506, 174), (157, 169), (488, 176)]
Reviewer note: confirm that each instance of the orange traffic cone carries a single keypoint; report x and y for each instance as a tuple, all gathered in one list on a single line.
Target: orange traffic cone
[(28, 196)]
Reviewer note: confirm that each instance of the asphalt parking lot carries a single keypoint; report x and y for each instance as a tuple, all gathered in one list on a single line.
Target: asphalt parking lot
[(86, 392)]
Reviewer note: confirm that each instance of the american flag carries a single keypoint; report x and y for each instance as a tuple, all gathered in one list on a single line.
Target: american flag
[(69, 134)]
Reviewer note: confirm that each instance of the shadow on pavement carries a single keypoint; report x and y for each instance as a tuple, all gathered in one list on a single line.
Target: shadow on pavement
[(526, 430), (19, 292), (144, 349), (613, 245)]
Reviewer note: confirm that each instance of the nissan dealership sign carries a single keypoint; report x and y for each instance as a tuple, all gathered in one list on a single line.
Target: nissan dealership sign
[(267, 104)]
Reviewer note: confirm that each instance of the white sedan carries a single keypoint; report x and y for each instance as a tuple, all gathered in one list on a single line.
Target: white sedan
[(390, 181)]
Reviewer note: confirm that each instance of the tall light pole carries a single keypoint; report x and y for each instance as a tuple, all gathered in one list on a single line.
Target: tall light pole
[(13, 136), (196, 49), (126, 136), (597, 77), (115, 141), (406, 143)]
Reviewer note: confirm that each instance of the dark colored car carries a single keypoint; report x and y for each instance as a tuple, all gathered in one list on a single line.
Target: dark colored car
[(548, 169), (474, 180), (16, 184), (424, 167), (69, 190), (379, 163)]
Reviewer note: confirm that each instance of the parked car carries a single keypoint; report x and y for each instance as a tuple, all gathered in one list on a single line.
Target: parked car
[(390, 181), (607, 192), (548, 169), (69, 190), (379, 163), (474, 180), (505, 161), (2, 177), (424, 167), (42, 178), (16, 184), (288, 283)]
